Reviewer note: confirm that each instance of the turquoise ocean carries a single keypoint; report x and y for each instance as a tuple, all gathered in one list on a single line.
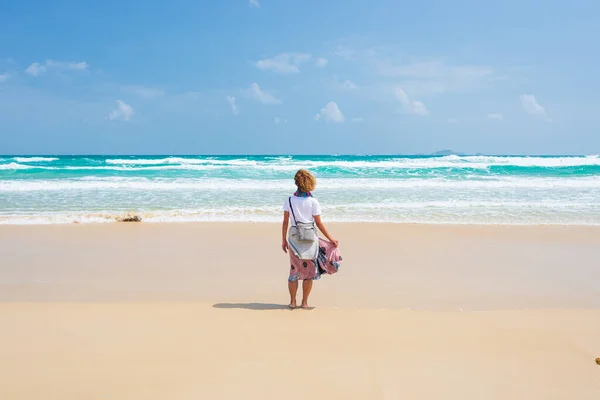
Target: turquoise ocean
[(402, 189)]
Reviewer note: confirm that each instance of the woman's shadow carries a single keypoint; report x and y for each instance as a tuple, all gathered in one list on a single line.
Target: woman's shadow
[(251, 306)]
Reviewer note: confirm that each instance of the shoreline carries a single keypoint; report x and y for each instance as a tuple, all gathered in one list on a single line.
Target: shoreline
[(278, 222)]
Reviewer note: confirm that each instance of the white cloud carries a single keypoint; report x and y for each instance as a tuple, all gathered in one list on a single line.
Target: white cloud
[(346, 85), (321, 62), (410, 106), (234, 108), (143, 91), (496, 116), (435, 77), (358, 119), (3, 78), (123, 111), (256, 93), (285, 63), (330, 113), (531, 106), (79, 65), (254, 3), (432, 69), (345, 53), (418, 75), (67, 65), (35, 69)]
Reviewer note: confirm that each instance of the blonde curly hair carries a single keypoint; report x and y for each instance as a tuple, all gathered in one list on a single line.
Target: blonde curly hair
[(305, 181)]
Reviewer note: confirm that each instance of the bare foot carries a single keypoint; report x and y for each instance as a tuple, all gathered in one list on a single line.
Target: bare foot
[(306, 306), (292, 304)]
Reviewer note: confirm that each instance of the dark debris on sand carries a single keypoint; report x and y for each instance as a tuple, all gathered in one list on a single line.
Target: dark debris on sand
[(130, 218)]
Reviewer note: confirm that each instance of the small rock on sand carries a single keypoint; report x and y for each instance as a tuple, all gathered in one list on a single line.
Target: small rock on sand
[(130, 218)]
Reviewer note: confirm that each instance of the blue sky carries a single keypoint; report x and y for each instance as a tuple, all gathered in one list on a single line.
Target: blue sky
[(299, 76)]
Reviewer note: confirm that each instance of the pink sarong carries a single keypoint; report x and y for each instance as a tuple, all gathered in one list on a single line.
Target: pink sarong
[(328, 262)]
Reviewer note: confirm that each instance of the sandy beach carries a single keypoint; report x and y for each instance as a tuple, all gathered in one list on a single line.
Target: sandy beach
[(188, 311)]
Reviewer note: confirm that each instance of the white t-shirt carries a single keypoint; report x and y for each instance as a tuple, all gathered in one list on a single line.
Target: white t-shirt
[(304, 209)]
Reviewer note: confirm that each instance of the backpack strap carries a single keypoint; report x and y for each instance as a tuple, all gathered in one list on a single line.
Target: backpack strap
[(292, 209)]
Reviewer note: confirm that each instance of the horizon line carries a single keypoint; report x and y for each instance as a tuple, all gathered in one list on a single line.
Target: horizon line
[(294, 155)]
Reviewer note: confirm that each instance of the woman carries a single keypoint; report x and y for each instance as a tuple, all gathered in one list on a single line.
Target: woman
[(304, 209)]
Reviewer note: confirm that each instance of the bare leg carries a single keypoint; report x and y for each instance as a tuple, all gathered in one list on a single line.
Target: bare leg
[(306, 288), (293, 287)]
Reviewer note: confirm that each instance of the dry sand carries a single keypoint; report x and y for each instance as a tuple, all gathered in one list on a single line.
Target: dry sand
[(197, 311)]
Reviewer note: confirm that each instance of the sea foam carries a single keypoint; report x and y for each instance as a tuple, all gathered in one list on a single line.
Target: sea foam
[(417, 189)]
